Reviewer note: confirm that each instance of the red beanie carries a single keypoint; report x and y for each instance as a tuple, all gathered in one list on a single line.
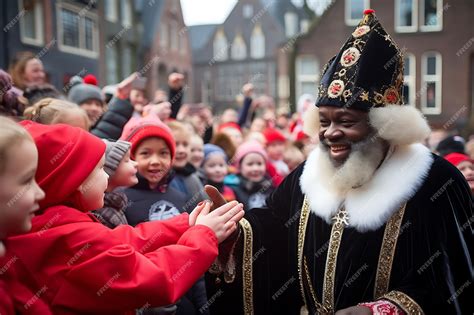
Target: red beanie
[(66, 157), (139, 129), (273, 135), (229, 125), (456, 158)]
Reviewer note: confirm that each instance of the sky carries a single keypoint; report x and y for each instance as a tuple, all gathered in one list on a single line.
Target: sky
[(206, 11), (216, 11)]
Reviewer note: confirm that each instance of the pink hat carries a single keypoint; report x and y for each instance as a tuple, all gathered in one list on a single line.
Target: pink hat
[(246, 148)]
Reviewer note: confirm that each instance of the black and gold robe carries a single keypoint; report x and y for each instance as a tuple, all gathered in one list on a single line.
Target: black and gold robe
[(420, 258)]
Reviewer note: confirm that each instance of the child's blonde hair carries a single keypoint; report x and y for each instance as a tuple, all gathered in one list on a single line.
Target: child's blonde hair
[(10, 133), (177, 126), (49, 111)]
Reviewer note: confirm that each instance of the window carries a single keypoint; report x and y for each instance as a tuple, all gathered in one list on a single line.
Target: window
[(291, 24), (354, 11), (174, 35), (409, 80), (126, 13), (229, 79), (111, 62), (257, 43), (31, 22), (431, 66), (126, 61), (304, 25), (110, 8), (431, 15), (164, 35), (307, 75), (406, 13), (77, 30), (247, 11), (220, 46), (206, 88), (238, 49)]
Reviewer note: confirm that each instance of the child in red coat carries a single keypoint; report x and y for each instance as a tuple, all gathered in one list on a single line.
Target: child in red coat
[(77, 265), (19, 197)]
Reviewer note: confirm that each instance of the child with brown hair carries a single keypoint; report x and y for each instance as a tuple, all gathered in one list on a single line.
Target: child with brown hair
[(78, 265)]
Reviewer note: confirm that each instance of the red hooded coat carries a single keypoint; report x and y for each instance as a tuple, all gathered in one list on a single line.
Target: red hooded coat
[(77, 265)]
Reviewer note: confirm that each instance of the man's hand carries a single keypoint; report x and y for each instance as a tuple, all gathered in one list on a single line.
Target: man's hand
[(175, 81), (355, 310), (124, 87), (215, 196), (247, 90)]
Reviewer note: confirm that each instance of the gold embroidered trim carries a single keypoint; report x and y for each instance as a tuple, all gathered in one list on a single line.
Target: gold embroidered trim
[(404, 302), (301, 236), (319, 307), (247, 267), (387, 252), (341, 219)]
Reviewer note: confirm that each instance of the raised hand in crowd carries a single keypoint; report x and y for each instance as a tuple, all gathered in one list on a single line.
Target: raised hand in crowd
[(175, 81), (125, 87)]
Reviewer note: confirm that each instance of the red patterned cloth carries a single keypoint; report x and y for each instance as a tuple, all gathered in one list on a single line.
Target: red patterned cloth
[(383, 307)]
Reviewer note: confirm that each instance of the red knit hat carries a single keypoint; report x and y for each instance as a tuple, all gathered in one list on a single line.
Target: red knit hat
[(139, 129), (229, 125), (66, 157), (456, 158), (273, 135)]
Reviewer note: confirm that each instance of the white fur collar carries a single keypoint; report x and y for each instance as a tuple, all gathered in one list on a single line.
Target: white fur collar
[(371, 205)]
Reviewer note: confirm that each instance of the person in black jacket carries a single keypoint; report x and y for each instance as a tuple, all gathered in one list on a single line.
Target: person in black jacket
[(119, 112)]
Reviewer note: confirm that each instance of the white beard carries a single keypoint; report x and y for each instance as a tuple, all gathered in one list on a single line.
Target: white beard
[(358, 169)]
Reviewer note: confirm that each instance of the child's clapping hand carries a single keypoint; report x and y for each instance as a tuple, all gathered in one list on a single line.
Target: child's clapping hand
[(222, 220)]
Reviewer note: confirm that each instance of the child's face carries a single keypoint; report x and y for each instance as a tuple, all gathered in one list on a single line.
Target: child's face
[(182, 149), (153, 159), (215, 168), (197, 153), (253, 167), (19, 192), (94, 109), (276, 150), (93, 188), (125, 175)]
